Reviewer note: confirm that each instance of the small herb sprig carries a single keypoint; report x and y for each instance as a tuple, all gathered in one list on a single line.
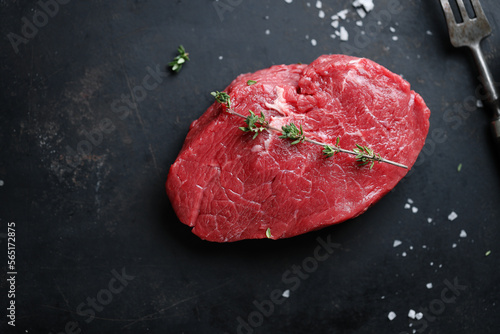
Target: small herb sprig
[(366, 155), (290, 131), (257, 124), (179, 60)]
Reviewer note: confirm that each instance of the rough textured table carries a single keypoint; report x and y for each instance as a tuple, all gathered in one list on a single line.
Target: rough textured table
[(91, 121)]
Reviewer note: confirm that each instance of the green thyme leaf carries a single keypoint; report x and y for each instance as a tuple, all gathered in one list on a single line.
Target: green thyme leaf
[(290, 131), (251, 82), (255, 124), (268, 233), (330, 151), (365, 156), (222, 98), (179, 60)]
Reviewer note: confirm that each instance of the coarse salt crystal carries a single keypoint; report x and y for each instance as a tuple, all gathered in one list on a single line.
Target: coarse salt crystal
[(404, 254), (419, 315), (414, 209), (321, 14), (359, 23), (366, 4), (288, 1), (452, 216), (454, 245), (1, 183), (344, 35), (335, 24), (407, 206), (361, 13), (313, 42), (429, 220), (395, 38), (429, 285), (411, 314), (286, 293), (396, 243), (268, 31), (392, 29), (391, 315), (409, 200), (479, 104), (463, 234), (319, 4)]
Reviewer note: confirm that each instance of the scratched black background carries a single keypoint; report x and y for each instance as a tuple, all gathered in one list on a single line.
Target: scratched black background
[(100, 227)]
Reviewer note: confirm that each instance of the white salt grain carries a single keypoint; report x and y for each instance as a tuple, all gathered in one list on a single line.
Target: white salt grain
[(335, 24), (479, 104), (414, 209), (407, 206), (392, 29), (366, 4), (268, 32), (391, 315), (454, 245), (361, 12), (463, 234), (288, 1), (313, 42), (411, 314), (359, 23), (429, 285), (452, 216), (429, 220), (321, 14), (409, 200), (319, 4), (1, 183), (396, 243), (344, 35), (286, 293), (419, 315), (395, 38)]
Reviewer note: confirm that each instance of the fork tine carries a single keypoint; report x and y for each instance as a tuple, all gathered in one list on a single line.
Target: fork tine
[(478, 9), (463, 10), (450, 18)]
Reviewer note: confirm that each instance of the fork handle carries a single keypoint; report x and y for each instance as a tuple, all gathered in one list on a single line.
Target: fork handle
[(492, 97)]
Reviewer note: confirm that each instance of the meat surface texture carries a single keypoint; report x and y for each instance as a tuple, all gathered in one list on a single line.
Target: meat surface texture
[(228, 186)]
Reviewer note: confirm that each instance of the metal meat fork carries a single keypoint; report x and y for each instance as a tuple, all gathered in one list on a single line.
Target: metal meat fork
[(470, 33)]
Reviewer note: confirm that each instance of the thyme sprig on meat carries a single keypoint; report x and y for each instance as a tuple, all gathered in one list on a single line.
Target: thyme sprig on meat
[(257, 124)]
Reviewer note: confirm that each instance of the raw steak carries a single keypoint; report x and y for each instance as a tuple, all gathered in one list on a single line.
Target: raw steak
[(229, 187)]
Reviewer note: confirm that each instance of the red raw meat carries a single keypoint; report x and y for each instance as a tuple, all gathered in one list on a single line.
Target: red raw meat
[(229, 187)]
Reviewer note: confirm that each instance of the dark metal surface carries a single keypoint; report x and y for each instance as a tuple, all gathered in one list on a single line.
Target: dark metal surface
[(90, 123)]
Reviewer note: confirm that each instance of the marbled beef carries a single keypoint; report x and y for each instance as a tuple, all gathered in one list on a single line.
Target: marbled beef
[(229, 187)]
